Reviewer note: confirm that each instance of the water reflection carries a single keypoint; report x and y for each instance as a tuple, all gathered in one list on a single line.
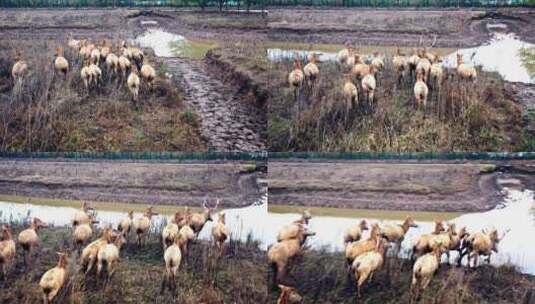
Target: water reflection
[(163, 43), (505, 54), (502, 54)]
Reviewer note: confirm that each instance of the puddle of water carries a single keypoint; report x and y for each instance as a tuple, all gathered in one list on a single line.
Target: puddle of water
[(516, 214), (163, 43), (497, 26), (168, 45), (241, 221), (505, 54), (149, 22), (281, 54)]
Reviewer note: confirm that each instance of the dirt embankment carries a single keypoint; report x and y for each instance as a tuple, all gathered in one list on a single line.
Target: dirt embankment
[(49, 23), (402, 27), (364, 26), (414, 186), (235, 183)]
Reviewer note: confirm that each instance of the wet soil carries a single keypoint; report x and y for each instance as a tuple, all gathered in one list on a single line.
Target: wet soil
[(412, 186), (362, 26), (229, 123), (170, 183)]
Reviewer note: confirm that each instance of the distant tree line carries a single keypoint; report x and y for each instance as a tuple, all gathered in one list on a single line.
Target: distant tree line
[(249, 3)]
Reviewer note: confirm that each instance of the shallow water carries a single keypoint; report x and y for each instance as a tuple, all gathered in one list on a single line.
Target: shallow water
[(241, 221), (163, 43), (149, 22), (515, 213), (505, 54), (277, 54)]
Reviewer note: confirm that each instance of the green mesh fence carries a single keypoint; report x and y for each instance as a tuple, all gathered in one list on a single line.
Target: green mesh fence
[(406, 156), (139, 155), (243, 3), (272, 155)]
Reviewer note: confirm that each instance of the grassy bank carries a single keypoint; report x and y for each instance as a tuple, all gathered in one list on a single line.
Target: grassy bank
[(192, 48), (365, 213), (49, 113), (459, 117), (204, 278), (321, 277), (102, 206)]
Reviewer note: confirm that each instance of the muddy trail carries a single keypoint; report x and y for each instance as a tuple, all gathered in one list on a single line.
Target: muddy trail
[(228, 123)]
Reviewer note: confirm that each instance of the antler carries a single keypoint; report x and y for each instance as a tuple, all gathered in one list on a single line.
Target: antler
[(434, 40), (505, 233)]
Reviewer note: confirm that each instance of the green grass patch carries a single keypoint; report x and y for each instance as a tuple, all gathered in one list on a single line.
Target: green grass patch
[(366, 213), (103, 206), (248, 168), (488, 168), (192, 49)]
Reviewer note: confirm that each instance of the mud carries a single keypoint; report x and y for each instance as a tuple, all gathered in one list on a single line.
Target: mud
[(411, 186), (524, 94), (363, 26), (170, 183), (228, 122)]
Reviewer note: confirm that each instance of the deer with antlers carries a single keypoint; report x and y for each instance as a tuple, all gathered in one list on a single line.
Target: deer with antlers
[(199, 219)]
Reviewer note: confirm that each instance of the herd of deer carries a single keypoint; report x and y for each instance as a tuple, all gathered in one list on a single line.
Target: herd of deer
[(423, 67), (125, 63), (365, 256), (103, 252)]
